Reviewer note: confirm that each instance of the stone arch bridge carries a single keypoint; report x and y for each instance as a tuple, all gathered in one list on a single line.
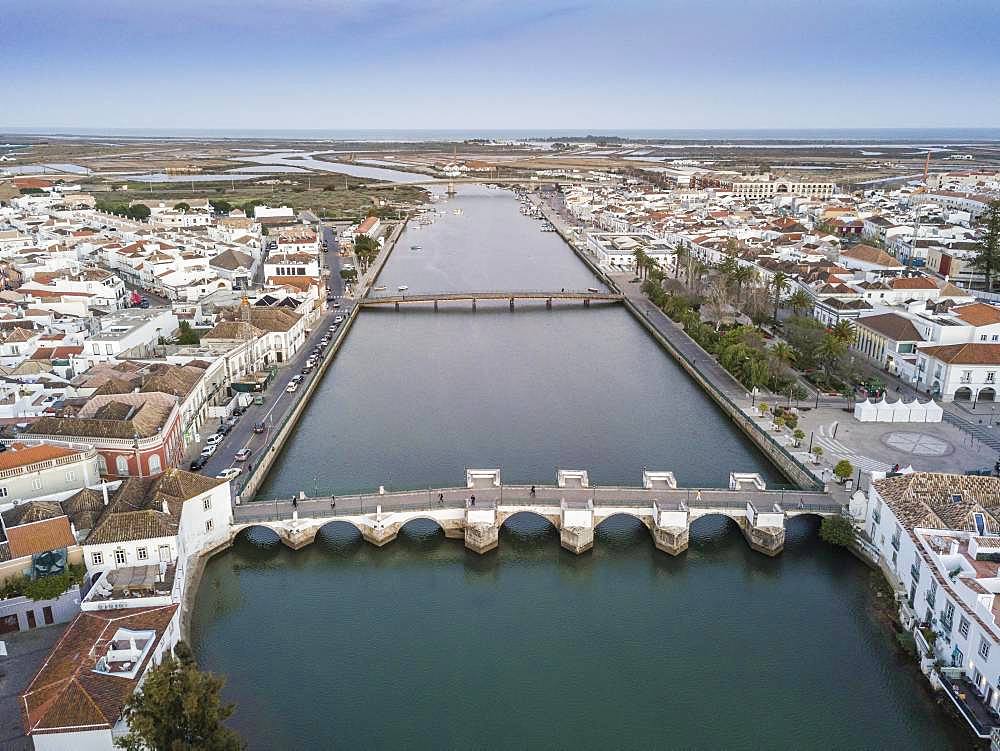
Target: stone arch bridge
[(475, 512)]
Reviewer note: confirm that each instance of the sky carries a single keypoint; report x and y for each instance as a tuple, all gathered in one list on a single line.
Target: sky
[(493, 64)]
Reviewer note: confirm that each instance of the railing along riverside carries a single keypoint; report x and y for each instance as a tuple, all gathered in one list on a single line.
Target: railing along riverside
[(500, 293), (276, 427), (754, 427)]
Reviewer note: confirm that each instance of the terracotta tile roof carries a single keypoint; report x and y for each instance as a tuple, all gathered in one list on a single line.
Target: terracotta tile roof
[(32, 511), (894, 326), (913, 282), (84, 508), (965, 354), (978, 314), (233, 330), (20, 454), (40, 537), (868, 254), (67, 694), (941, 501), (144, 508)]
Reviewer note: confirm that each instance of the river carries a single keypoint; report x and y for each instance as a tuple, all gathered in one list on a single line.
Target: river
[(422, 644)]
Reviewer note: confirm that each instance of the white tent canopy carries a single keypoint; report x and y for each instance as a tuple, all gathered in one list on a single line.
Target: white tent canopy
[(865, 411), (918, 411), (885, 411), (900, 411), (934, 411)]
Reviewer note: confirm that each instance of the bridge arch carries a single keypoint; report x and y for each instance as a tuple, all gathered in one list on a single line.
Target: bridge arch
[(260, 536), (339, 532), (421, 520), (714, 527), (625, 529), (529, 526), (646, 521)]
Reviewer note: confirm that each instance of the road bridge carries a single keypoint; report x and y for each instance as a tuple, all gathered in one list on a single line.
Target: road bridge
[(452, 182), (406, 298), (476, 511)]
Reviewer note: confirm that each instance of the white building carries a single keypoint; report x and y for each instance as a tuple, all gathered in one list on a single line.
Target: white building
[(937, 538)]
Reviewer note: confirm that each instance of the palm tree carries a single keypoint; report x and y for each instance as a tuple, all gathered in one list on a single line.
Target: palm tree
[(641, 262), (780, 283), (743, 276), (844, 331), (783, 353), (799, 301), (681, 254)]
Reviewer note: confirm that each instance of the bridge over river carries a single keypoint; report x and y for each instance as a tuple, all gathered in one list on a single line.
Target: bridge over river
[(476, 511), (405, 298)]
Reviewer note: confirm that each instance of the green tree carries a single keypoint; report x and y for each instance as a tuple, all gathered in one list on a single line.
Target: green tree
[(799, 302), (187, 335), (837, 530), (798, 435), (182, 206), (780, 284), (220, 206), (987, 258), (743, 277), (843, 469), (817, 452), (365, 248), (138, 211), (829, 352), (844, 331), (179, 709)]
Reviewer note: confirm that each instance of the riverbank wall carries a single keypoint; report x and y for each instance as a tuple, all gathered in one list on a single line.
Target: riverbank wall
[(787, 464), (274, 448)]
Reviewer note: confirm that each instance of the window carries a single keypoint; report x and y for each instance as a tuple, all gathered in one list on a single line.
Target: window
[(963, 626), (36, 483), (154, 465), (70, 476), (97, 558), (47, 615), (991, 377), (3, 492), (948, 616), (982, 337), (121, 464), (207, 502), (120, 557), (984, 649), (995, 338), (142, 554), (108, 349), (209, 525)]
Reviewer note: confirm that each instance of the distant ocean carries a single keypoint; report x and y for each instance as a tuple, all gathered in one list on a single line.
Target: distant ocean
[(702, 135)]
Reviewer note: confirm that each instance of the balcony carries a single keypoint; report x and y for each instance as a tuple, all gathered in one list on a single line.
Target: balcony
[(895, 543), (981, 718), (930, 599), (915, 573)]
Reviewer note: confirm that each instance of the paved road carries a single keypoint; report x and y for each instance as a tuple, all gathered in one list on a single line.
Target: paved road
[(277, 403)]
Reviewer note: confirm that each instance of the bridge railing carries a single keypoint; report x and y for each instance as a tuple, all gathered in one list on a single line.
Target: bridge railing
[(499, 293)]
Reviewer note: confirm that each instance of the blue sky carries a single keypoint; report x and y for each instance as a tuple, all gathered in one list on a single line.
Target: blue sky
[(494, 64)]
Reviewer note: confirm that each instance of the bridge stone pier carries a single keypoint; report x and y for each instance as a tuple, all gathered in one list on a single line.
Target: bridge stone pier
[(476, 511)]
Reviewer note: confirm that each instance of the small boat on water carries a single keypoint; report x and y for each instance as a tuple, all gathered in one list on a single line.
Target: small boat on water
[(402, 288), (414, 247), (380, 289), (456, 212)]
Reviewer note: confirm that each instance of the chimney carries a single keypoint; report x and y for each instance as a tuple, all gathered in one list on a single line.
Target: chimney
[(104, 492), (166, 509)]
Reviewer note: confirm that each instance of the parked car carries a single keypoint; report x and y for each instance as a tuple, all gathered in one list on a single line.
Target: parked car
[(209, 450), (336, 303), (292, 387), (242, 455), (258, 427), (224, 429), (230, 473), (214, 439), (198, 463), (307, 369), (338, 319)]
